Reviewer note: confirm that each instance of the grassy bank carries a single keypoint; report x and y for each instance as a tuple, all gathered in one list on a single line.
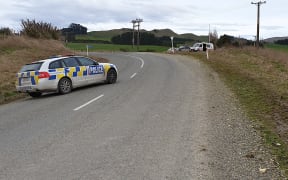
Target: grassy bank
[(259, 77), (17, 51)]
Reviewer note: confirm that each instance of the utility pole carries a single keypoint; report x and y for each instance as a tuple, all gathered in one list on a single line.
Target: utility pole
[(172, 44), (259, 3), (209, 38), (133, 39), (136, 23)]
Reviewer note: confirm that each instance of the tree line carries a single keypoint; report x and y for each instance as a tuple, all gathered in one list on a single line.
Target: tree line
[(147, 38), (282, 42)]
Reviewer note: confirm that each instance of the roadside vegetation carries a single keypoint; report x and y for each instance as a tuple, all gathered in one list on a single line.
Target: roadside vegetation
[(259, 78)]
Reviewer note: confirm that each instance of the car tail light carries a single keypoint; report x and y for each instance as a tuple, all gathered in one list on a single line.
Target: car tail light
[(43, 75)]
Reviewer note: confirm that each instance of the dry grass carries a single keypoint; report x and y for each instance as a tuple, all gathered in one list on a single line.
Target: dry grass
[(17, 51), (259, 78), (268, 67)]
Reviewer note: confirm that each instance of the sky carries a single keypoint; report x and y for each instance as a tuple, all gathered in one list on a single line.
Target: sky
[(232, 17)]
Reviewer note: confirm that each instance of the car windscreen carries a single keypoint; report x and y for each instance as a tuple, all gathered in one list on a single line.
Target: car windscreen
[(31, 67)]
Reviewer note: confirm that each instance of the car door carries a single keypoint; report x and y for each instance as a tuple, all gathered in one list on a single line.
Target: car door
[(75, 71), (95, 71)]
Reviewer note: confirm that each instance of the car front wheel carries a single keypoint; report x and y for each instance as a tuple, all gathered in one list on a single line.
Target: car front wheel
[(111, 76), (65, 86)]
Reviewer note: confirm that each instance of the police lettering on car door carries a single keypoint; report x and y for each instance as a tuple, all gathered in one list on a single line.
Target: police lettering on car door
[(98, 69)]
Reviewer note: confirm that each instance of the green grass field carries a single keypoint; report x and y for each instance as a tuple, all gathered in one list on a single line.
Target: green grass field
[(277, 47), (114, 47), (91, 37)]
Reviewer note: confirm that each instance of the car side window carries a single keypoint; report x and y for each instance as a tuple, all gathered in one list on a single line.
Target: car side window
[(71, 62), (55, 65), (86, 62)]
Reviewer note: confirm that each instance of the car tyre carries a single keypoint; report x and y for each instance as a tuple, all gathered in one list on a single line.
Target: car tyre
[(111, 76), (64, 86), (35, 94)]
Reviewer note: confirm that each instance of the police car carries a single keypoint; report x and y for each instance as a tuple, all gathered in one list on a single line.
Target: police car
[(62, 74)]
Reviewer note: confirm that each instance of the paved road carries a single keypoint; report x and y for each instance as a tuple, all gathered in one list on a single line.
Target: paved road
[(167, 117)]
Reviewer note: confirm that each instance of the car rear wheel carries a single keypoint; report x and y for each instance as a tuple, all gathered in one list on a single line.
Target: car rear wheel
[(35, 94), (111, 76), (64, 86)]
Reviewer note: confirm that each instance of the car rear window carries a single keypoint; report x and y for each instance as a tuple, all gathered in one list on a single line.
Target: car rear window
[(31, 67)]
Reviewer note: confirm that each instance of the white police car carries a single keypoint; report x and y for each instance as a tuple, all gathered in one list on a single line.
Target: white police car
[(62, 74)]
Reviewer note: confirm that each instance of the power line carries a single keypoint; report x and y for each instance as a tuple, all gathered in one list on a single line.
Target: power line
[(259, 3)]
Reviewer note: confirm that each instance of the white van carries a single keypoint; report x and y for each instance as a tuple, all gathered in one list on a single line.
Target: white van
[(200, 46)]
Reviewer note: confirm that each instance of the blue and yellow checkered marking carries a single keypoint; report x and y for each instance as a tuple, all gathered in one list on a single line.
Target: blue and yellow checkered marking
[(33, 75), (55, 74)]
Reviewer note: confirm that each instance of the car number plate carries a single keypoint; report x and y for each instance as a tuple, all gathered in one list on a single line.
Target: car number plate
[(26, 81), (25, 88)]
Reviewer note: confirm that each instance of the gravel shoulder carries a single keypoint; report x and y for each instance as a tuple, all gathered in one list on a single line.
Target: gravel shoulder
[(232, 147)]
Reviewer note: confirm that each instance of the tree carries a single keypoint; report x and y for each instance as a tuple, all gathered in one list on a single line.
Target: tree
[(6, 31), (225, 40), (125, 38), (213, 37), (73, 30), (78, 29)]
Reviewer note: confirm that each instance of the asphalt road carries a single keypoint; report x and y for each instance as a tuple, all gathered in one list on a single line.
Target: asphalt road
[(167, 117)]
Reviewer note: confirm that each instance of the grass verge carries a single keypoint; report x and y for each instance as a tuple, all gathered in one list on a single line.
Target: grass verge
[(17, 51), (259, 78)]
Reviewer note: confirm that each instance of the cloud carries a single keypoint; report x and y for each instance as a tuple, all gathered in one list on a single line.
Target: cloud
[(226, 16)]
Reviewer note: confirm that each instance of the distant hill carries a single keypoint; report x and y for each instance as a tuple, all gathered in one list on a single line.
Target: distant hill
[(274, 39), (163, 32), (108, 34)]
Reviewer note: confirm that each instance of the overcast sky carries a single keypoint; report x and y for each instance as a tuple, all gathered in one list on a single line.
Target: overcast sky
[(232, 17)]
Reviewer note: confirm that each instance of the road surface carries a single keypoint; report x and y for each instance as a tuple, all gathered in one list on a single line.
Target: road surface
[(167, 117)]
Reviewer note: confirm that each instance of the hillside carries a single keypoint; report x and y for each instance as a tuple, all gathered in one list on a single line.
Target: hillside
[(107, 35), (273, 39)]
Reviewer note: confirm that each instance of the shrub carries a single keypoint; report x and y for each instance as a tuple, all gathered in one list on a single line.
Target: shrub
[(5, 31), (39, 30)]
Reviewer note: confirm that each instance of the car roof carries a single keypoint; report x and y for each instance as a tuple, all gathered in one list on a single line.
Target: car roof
[(54, 58)]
